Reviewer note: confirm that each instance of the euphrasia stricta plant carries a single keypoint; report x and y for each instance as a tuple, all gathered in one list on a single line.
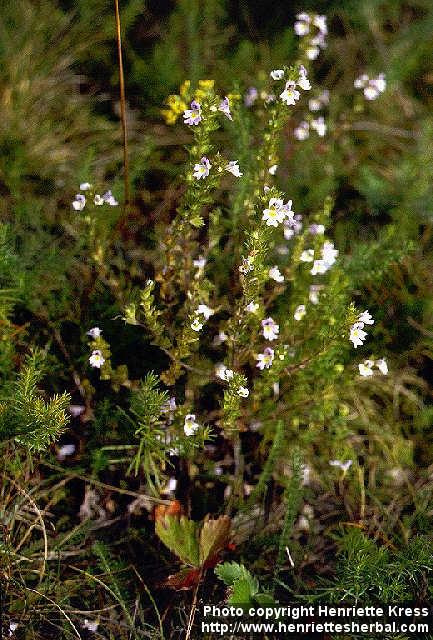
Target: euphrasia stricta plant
[(248, 302)]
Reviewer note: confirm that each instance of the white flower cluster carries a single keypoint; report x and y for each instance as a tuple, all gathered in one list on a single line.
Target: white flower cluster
[(202, 310), (366, 367), (302, 131), (357, 333), (277, 212), (314, 29), (372, 87), (325, 262), (80, 200)]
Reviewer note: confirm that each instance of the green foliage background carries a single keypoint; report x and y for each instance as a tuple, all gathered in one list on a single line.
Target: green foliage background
[(61, 275)]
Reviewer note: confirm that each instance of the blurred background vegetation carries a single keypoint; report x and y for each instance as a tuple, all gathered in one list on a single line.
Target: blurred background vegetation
[(59, 126)]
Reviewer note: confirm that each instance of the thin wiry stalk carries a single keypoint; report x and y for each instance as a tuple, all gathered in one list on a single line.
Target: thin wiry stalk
[(122, 103)]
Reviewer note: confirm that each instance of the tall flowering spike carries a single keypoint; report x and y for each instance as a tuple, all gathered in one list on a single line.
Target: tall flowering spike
[(225, 108), (202, 168), (193, 116), (270, 329), (290, 95), (265, 359)]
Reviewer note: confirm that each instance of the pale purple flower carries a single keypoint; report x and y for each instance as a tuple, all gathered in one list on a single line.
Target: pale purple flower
[(319, 267), (303, 81), (252, 307), (365, 317), (265, 359), (302, 131), (292, 226), (225, 108), (202, 168), (91, 625), (316, 229), (193, 115), (80, 202), (110, 199), (85, 186), (270, 329), (94, 332), (233, 168), (220, 338), (320, 23), (76, 410), (251, 96), (65, 450), (302, 25)]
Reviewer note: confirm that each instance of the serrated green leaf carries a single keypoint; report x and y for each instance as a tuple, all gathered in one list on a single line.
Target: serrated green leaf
[(180, 535)]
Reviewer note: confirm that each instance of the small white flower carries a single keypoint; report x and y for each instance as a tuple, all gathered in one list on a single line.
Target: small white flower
[(273, 170), (382, 365), (371, 93), (98, 200), (96, 359), (312, 53), (365, 317), (233, 168), (302, 131), (76, 410), (361, 82), (220, 338), (277, 74), (290, 95), (95, 332), (299, 312), (110, 199), (190, 425), (196, 325), (275, 274), (344, 466), (252, 307), (13, 626), (320, 23), (65, 450), (319, 267), (225, 108), (91, 625), (303, 81), (365, 368), (79, 203), (205, 311), (243, 392), (307, 255), (222, 372), (357, 335), (313, 295), (202, 168), (200, 263), (275, 213), (329, 254), (270, 329), (314, 104), (265, 359), (319, 126), (85, 186)]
